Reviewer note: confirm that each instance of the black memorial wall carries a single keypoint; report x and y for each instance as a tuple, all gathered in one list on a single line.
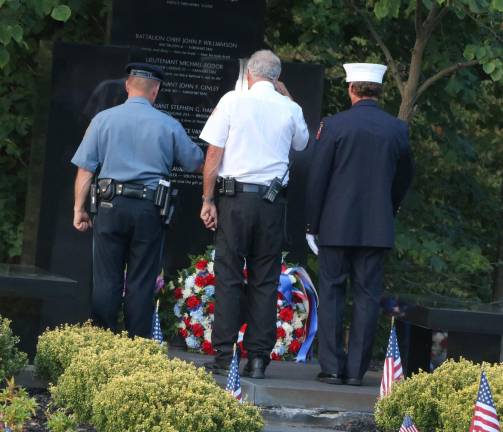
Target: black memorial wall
[(88, 79), (222, 28)]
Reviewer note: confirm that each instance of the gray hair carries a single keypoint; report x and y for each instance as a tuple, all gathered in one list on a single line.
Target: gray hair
[(265, 64)]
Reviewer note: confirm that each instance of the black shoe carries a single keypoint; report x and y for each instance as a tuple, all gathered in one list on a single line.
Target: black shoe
[(353, 381), (329, 378), (217, 368), (255, 368)]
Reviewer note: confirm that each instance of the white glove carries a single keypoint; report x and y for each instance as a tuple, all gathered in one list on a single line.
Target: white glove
[(311, 241)]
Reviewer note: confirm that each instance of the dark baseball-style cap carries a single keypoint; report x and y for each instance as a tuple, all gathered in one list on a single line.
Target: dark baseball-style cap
[(145, 70)]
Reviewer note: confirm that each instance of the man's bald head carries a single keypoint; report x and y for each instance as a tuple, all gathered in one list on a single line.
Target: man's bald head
[(142, 87)]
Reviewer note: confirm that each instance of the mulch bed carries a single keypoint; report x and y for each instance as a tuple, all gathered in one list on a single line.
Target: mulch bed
[(38, 422)]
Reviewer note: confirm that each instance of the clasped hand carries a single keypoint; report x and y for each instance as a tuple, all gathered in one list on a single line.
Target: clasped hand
[(209, 215)]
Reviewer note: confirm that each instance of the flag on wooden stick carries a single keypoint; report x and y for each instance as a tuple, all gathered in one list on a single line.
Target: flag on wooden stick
[(408, 425), (233, 380), (485, 418), (392, 365)]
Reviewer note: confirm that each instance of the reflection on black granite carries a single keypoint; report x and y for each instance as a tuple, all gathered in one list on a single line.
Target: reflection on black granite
[(28, 272), (107, 94)]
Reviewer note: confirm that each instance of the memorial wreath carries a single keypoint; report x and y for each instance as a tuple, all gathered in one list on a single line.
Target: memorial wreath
[(194, 296)]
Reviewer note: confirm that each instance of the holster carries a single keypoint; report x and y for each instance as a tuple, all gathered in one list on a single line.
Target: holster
[(106, 189)]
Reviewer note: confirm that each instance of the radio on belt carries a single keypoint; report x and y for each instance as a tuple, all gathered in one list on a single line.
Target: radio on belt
[(165, 199)]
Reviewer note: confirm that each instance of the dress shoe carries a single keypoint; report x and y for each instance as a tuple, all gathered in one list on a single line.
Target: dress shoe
[(353, 381), (255, 368), (328, 378), (217, 368)]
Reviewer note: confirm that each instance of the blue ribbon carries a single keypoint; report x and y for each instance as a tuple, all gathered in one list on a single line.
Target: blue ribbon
[(285, 288), (313, 313)]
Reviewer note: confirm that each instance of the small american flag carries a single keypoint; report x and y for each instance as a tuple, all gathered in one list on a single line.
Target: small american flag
[(484, 417), (233, 381), (156, 325), (408, 425), (392, 365)]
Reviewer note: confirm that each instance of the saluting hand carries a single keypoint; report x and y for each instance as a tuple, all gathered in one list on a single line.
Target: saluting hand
[(280, 87), (81, 220), (209, 215)]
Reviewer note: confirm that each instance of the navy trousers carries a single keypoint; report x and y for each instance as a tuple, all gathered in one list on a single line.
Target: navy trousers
[(363, 266), (127, 232), (249, 230)]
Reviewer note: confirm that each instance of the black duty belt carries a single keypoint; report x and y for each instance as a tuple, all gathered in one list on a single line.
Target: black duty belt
[(251, 187), (132, 190), (108, 189)]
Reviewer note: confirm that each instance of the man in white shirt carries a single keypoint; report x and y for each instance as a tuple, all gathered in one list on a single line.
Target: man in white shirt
[(249, 137)]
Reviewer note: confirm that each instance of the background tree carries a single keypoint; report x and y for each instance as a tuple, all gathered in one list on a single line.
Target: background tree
[(24, 25), (444, 77)]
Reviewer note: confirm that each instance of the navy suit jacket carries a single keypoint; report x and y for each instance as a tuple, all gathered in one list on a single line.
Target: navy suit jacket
[(360, 172)]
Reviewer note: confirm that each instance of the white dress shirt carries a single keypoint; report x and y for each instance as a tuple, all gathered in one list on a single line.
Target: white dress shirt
[(257, 129)]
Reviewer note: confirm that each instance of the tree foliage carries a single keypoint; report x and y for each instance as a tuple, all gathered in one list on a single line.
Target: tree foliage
[(23, 24), (448, 85)]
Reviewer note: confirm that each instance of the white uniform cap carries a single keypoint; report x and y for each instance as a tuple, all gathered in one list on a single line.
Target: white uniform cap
[(369, 72)]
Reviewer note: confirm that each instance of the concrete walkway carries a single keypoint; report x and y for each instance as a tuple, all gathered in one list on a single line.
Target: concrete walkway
[(294, 385)]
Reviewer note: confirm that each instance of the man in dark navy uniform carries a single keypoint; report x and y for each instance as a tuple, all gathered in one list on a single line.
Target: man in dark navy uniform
[(361, 171), (134, 146)]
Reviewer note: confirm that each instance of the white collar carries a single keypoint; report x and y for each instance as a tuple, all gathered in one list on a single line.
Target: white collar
[(263, 85)]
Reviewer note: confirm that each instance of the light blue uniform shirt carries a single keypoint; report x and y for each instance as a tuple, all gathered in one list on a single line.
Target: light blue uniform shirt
[(134, 142)]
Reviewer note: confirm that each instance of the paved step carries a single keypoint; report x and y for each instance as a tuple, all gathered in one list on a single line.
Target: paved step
[(294, 385)]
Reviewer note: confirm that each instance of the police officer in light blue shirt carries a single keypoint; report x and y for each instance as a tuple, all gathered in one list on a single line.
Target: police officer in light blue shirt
[(132, 146)]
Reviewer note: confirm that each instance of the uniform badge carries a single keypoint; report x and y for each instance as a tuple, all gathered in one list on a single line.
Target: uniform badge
[(318, 134)]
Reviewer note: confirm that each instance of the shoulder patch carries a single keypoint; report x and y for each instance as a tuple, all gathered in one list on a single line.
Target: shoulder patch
[(318, 134)]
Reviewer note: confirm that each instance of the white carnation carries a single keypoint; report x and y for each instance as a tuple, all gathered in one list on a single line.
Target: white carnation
[(189, 282), (287, 327)]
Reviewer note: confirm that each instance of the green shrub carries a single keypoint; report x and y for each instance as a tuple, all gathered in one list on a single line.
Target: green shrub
[(177, 398), (61, 421), (91, 369), (16, 407), (439, 401), (56, 348), (11, 359)]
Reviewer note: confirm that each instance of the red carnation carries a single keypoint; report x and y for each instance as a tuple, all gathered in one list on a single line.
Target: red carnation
[(210, 279), (207, 347), (294, 347), (211, 308), (283, 268), (299, 332), (197, 330), (192, 302), (245, 273), (286, 314), (187, 322), (183, 333), (178, 293), (200, 281), (275, 356), (280, 333), (202, 264)]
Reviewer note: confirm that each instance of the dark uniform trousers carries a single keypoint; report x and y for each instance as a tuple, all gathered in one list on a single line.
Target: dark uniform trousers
[(364, 267), (249, 230), (129, 233)]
